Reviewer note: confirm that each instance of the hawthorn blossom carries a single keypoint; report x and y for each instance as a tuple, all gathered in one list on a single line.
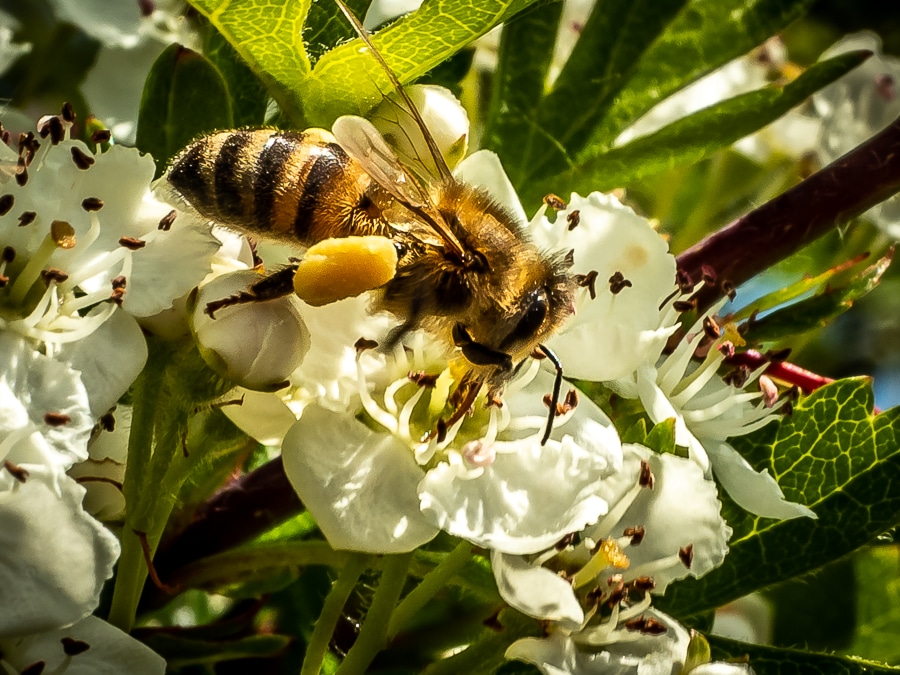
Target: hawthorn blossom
[(650, 537), (54, 557), (707, 412), (89, 647)]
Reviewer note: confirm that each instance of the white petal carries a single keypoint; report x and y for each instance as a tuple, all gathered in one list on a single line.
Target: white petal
[(613, 333), (483, 169), (524, 502), (681, 509), (111, 651), (109, 359), (54, 558), (32, 385), (536, 591), (261, 415), (359, 485), (722, 668), (757, 493)]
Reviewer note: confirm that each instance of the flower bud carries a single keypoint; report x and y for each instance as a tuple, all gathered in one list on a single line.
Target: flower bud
[(254, 344)]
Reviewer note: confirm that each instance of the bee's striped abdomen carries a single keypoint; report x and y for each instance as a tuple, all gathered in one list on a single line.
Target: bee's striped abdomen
[(276, 183)]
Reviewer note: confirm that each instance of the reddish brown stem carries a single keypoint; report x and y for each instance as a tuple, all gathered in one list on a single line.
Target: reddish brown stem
[(844, 189), (786, 372)]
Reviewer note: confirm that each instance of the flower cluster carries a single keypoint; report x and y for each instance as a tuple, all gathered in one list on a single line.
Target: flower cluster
[(387, 448)]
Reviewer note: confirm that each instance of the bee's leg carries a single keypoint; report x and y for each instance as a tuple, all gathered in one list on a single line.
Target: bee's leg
[(477, 353), (275, 285), (557, 385)]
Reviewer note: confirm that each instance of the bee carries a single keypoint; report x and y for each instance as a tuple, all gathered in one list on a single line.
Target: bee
[(466, 272)]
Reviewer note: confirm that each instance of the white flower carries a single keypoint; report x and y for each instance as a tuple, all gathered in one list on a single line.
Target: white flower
[(662, 524), (858, 106), (9, 50), (485, 478), (54, 557), (707, 411), (89, 647)]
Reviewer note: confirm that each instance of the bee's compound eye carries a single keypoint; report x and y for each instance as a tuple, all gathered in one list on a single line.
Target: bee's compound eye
[(532, 319)]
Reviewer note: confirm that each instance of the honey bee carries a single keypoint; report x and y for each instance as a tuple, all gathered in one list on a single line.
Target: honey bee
[(466, 271)]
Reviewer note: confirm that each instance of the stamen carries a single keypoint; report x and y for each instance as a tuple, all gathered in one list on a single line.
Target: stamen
[(383, 418), (406, 414), (390, 393), (32, 271)]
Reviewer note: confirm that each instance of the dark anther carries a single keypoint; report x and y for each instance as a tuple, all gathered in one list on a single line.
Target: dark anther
[(737, 377), (571, 400), (686, 555), (56, 419), (683, 280), (363, 344), (684, 305), (646, 625), (617, 595), (27, 218), (728, 289), (618, 283), (727, 349), (8, 254), (15, 471), (101, 136), (53, 274), (646, 476), (636, 534), (711, 328), (147, 7), (555, 202), (68, 112), (6, 137), (131, 243), (56, 129), (778, 355), (441, 428), (35, 668), (92, 204), (6, 204), (82, 160), (422, 379), (4, 280), (573, 218), (588, 281), (21, 175), (119, 282), (566, 541), (708, 274), (787, 409), (73, 647), (644, 584), (165, 223), (108, 422)]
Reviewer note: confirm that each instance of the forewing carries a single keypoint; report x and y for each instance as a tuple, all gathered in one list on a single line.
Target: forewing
[(364, 143)]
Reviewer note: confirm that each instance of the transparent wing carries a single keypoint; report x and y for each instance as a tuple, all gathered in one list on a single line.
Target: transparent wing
[(364, 143)]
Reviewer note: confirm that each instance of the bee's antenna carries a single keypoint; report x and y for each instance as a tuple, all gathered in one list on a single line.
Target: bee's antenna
[(439, 161), (557, 385)]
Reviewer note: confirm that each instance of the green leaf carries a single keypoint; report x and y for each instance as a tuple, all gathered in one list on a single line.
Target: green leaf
[(706, 35), (326, 26), (662, 438), (348, 80), (615, 36), (268, 35), (526, 49), (777, 661), (878, 604), (248, 94), (692, 138), (831, 454), (184, 96), (806, 285), (819, 310)]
